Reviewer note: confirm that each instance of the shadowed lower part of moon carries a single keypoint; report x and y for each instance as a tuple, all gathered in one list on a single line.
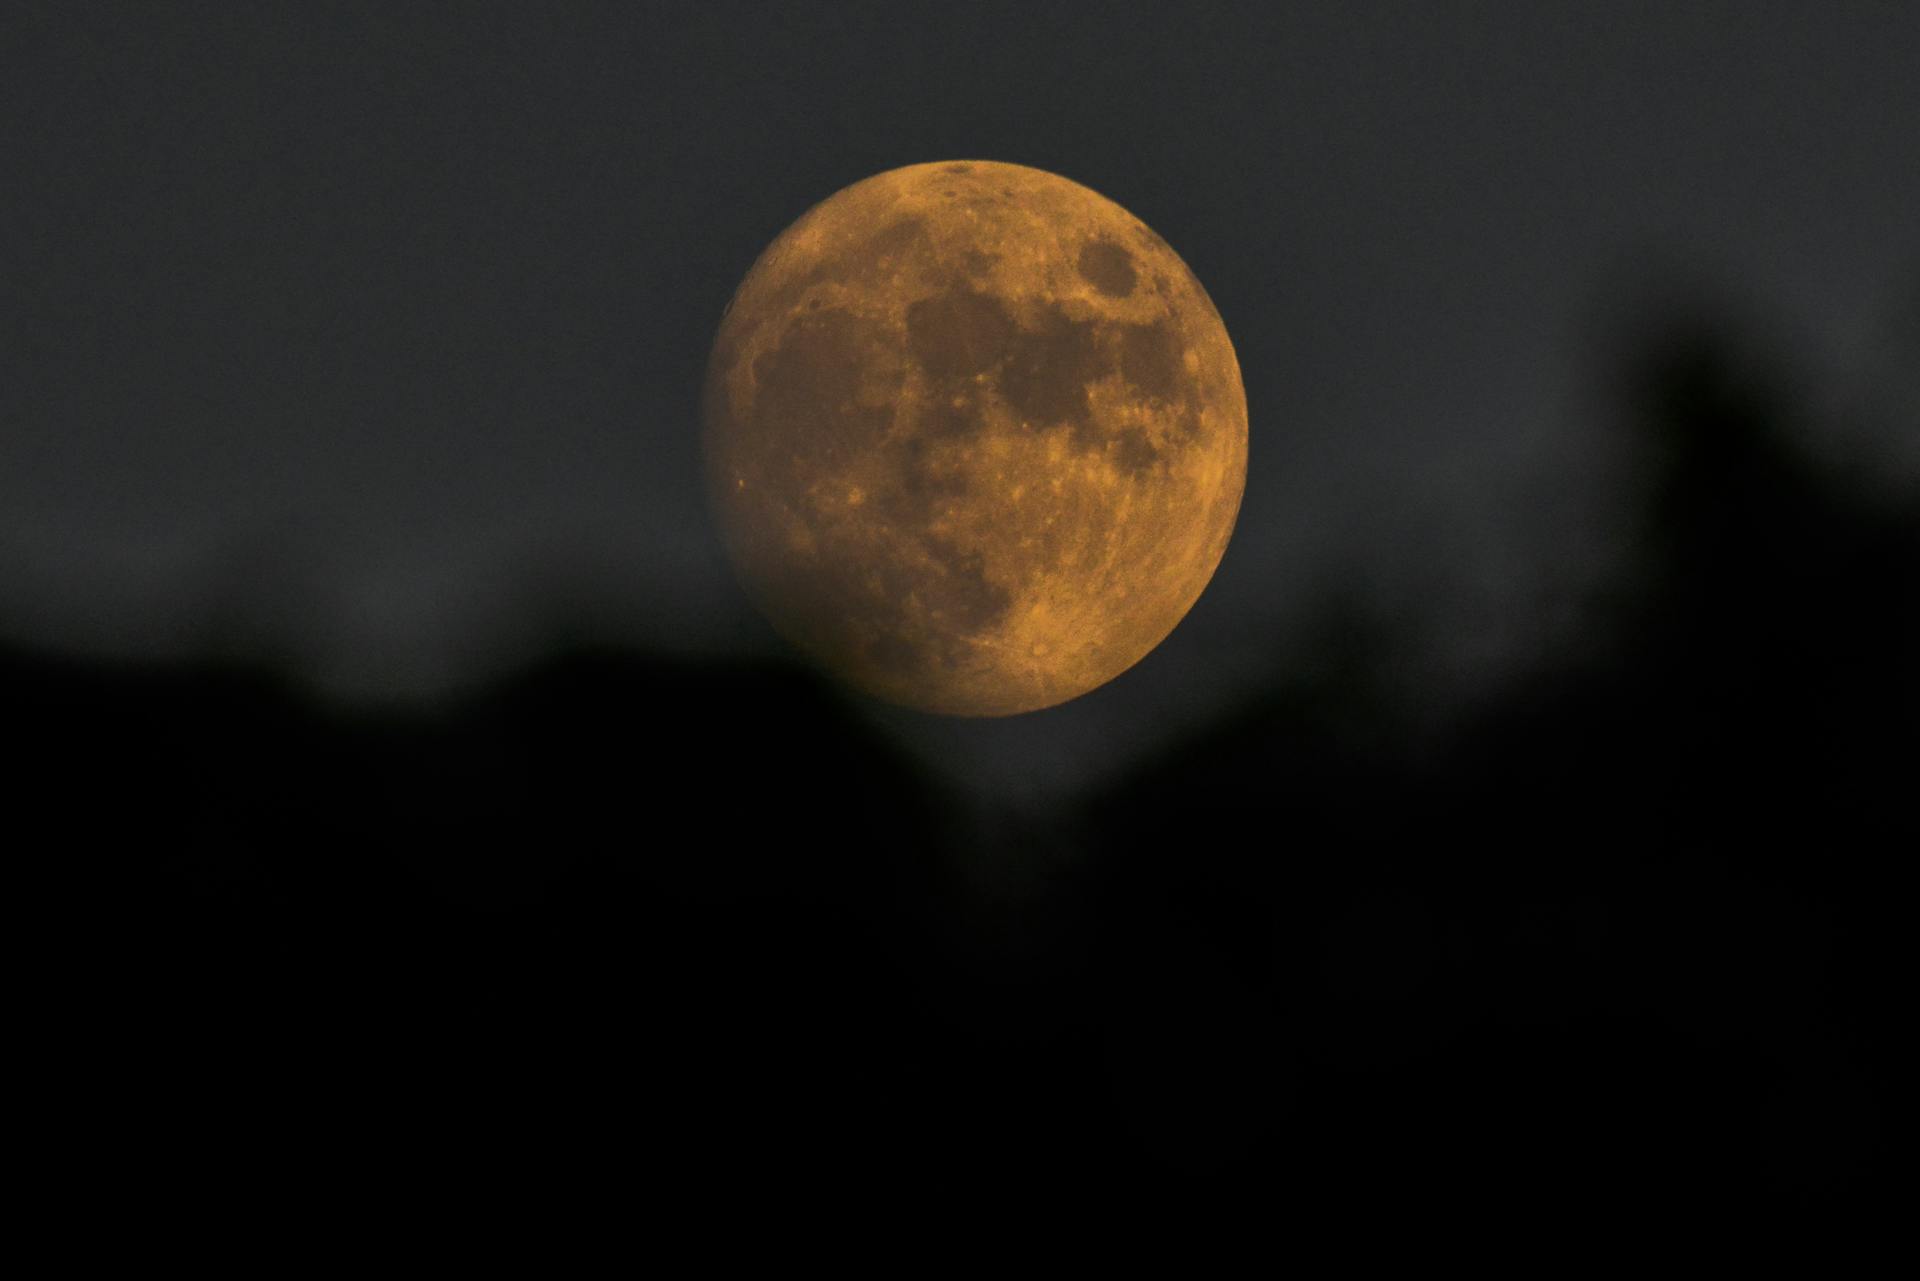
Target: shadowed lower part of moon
[(976, 437)]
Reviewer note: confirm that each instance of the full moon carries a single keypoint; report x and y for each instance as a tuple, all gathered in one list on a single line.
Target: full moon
[(975, 437)]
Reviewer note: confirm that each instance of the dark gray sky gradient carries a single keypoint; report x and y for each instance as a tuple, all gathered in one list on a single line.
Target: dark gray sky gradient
[(368, 336)]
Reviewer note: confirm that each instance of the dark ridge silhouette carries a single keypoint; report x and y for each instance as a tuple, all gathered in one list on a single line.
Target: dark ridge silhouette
[(1624, 935)]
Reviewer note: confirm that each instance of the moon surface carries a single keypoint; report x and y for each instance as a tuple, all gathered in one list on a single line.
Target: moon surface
[(976, 437)]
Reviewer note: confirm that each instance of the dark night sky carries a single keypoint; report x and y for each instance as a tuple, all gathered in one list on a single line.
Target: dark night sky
[(1511, 821), (365, 338)]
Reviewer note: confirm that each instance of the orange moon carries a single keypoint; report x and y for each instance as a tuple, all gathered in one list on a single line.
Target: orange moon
[(975, 437)]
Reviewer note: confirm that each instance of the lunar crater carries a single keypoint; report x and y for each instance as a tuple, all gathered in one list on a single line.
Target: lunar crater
[(1108, 268)]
